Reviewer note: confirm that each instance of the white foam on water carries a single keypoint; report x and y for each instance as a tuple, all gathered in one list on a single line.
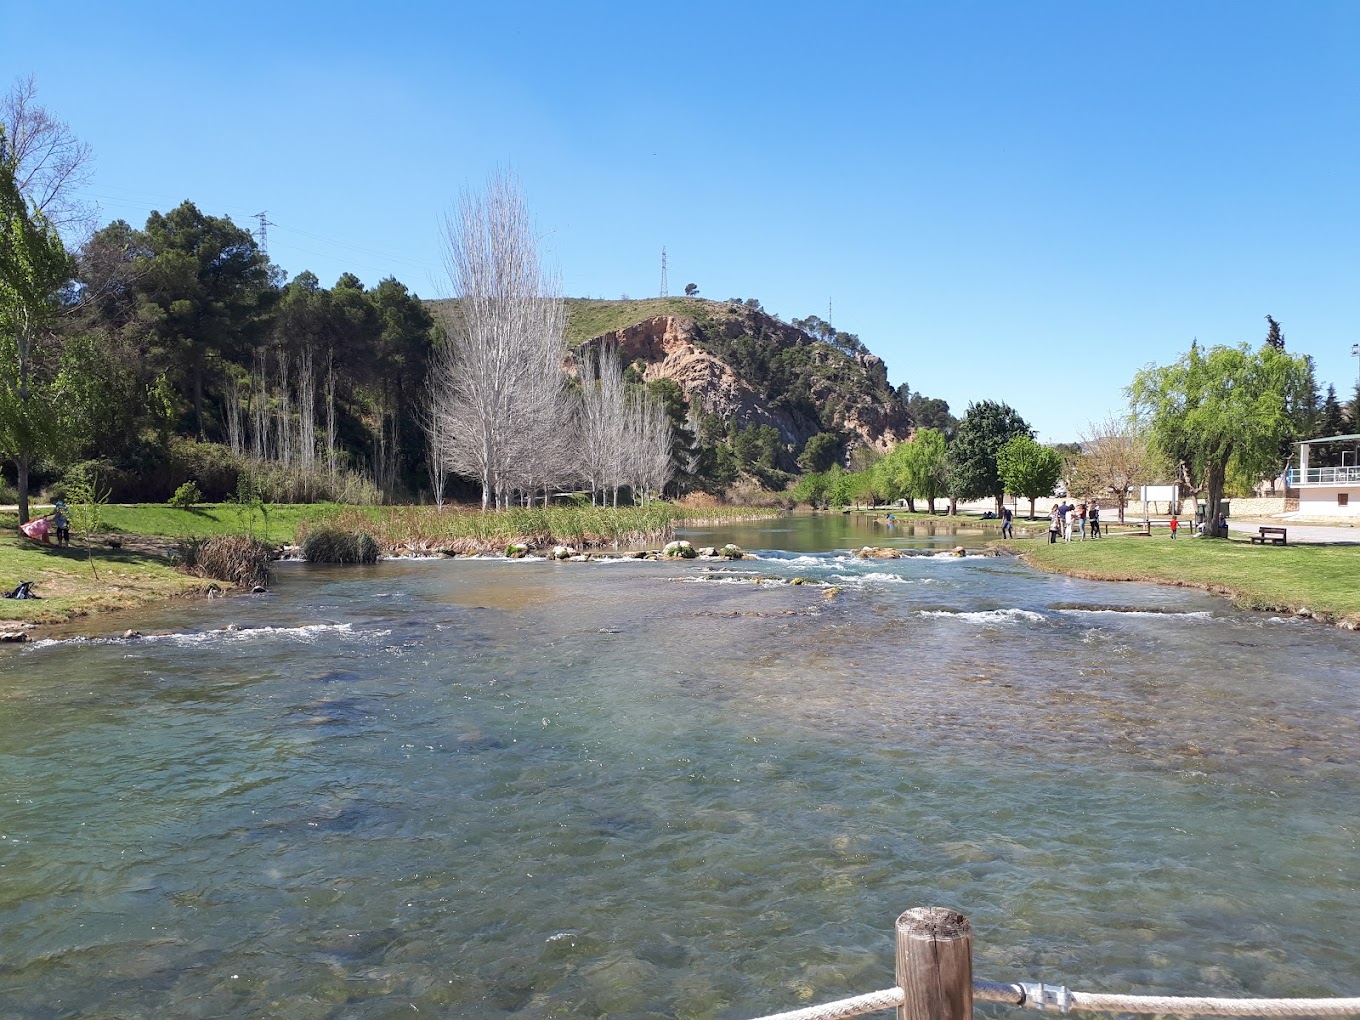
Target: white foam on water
[(876, 577), (1143, 613), (307, 633), (987, 617)]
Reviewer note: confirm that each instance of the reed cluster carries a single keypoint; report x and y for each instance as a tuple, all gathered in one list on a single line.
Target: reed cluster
[(468, 530), (236, 559), (333, 545)]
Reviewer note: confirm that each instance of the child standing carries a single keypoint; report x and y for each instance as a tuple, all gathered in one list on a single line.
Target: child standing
[(1175, 523)]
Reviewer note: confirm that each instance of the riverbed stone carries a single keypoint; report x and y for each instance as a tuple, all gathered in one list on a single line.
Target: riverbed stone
[(563, 552), (517, 550), (13, 636), (873, 552), (708, 550), (678, 550), (731, 552)]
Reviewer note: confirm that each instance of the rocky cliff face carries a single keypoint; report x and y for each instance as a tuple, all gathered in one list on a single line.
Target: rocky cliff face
[(744, 364)]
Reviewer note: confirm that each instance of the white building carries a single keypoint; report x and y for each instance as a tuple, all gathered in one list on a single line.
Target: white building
[(1328, 491)]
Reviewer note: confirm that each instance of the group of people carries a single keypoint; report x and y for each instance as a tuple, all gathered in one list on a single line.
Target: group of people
[(57, 522), (1067, 519)]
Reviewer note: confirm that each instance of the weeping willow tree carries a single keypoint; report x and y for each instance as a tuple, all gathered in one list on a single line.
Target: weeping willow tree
[(1224, 410)]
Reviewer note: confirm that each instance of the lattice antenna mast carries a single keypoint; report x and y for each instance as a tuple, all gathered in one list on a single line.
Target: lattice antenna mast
[(263, 232), (665, 281)]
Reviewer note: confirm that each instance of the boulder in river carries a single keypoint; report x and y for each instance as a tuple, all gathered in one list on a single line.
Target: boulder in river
[(678, 550), (872, 552), (517, 551), (731, 552), (562, 552)]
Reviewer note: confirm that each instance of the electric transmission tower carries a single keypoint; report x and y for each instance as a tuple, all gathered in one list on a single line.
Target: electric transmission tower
[(263, 232), (665, 283)]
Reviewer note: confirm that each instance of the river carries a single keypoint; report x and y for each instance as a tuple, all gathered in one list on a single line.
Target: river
[(485, 788)]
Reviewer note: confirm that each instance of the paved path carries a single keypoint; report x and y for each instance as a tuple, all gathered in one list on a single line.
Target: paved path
[(1310, 534)]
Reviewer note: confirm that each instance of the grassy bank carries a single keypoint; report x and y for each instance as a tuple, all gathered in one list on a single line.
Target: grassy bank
[(67, 588), (1316, 578), (138, 572)]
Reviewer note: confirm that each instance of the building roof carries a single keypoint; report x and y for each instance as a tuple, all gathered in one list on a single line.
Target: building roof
[(1330, 439)]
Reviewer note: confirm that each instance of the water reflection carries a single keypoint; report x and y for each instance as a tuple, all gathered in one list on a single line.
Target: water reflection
[(509, 788)]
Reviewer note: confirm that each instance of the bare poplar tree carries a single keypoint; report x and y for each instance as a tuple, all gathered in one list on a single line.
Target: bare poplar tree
[(51, 163), (653, 439), (436, 442), (1114, 459), (235, 429), (283, 414), (331, 464), (260, 408), (506, 333), (602, 421), (306, 412)]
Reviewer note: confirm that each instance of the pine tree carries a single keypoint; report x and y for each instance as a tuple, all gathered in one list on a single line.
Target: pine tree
[(1274, 336)]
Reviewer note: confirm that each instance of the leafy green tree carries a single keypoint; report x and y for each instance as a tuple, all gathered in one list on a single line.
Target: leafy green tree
[(85, 502), (205, 288), (34, 268), (926, 466), (1331, 422), (839, 488), (1224, 408), (813, 489), (984, 430), (820, 452), (1028, 469), (691, 289)]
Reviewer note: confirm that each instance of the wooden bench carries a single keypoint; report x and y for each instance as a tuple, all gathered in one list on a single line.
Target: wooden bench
[(1277, 536)]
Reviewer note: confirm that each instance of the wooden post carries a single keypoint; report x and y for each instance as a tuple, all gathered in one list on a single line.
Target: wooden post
[(935, 965)]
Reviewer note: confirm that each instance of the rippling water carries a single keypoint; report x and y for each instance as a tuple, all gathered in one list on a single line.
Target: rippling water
[(484, 788)]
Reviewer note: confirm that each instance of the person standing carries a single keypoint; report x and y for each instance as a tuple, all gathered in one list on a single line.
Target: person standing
[(1175, 524), (1081, 519), (1054, 523), (1007, 523), (61, 524), (1095, 520)]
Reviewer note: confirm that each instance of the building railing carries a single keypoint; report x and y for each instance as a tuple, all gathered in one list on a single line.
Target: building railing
[(935, 982), (1348, 475)]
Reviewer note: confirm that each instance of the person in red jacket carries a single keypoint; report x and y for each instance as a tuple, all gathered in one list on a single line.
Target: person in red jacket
[(1175, 523)]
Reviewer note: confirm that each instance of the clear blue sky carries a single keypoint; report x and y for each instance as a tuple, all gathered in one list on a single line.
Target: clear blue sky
[(1016, 201)]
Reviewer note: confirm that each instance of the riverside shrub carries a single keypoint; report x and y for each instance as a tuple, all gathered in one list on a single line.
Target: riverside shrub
[(331, 545), (236, 559)]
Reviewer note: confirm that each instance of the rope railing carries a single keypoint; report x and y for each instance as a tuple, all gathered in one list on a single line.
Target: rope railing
[(934, 975)]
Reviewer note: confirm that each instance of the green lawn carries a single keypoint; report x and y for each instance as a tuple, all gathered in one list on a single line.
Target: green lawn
[(1324, 579), (68, 588), (159, 520), (134, 575)]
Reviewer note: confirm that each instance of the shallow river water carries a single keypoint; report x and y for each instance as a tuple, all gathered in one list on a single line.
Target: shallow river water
[(482, 788)]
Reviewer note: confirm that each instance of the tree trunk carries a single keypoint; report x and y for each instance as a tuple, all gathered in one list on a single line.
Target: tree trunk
[(21, 462), (1031, 508), (911, 504), (953, 506), (1212, 497)]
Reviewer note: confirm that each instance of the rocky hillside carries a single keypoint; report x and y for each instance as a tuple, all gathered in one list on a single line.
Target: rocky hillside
[(742, 363)]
